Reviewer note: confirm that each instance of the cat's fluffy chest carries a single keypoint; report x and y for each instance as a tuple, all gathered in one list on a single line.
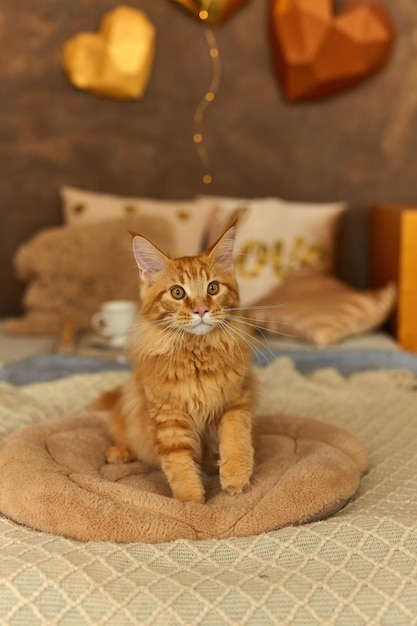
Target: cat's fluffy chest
[(199, 379)]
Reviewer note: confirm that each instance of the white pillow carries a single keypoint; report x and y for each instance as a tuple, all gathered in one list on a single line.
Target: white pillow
[(275, 238), (189, 219)]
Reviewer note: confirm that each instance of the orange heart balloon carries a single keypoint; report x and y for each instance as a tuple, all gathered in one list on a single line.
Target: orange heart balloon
[(318, 52), (211, 12)]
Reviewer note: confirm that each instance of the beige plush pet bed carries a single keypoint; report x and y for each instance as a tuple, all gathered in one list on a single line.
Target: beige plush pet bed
[(357, 566), (54, 478)]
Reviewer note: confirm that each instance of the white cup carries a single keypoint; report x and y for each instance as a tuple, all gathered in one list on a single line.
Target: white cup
[(114, 320)]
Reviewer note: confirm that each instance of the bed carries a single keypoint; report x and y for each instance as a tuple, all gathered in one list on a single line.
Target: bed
[(326, 361), (358, 566)]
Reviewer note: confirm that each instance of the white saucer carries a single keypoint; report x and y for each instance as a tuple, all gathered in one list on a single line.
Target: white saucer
[(105, 343)]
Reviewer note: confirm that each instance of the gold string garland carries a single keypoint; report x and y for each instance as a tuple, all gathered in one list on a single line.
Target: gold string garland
[(198, 136)]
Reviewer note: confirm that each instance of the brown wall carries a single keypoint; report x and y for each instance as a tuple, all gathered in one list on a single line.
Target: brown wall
[(359, 146)]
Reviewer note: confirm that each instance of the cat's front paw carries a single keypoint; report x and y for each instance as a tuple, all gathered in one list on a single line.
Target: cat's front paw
[(190, 495), (235, 474), (119, 454)]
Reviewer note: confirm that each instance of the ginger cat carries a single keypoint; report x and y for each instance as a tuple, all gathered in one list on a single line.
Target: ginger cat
[(188, 403)]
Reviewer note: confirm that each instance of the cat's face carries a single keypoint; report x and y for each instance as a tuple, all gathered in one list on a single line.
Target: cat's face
[(191, 294)]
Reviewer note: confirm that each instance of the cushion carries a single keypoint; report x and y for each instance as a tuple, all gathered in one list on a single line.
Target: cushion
[(275, 238), (305, 470), (321, 309), (71, 271), (188, 219)]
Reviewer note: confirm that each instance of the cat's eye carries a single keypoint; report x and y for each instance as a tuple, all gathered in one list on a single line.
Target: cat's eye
[(177, 292), (213, 288)]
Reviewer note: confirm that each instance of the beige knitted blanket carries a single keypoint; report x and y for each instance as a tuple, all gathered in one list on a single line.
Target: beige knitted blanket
[(356, 567)]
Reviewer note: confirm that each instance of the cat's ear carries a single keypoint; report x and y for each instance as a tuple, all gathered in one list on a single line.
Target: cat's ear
[(150, 260), (222, 251)]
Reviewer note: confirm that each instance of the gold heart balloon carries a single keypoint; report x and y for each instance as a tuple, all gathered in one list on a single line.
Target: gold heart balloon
[(115, 62), (211, 12)]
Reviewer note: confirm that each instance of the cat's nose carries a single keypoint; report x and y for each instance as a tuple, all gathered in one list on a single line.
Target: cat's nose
[(201, 311)]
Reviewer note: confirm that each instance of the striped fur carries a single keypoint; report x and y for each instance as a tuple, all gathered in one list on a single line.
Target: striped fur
[(188, 403)]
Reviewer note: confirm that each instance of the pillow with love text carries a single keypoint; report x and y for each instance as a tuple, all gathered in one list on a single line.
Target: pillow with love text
[(275, 238), (189, 220)]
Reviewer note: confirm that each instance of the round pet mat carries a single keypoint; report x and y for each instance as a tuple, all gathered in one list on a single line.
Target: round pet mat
[(54, 478)]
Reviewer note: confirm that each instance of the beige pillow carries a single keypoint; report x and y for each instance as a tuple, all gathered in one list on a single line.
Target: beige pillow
[(70, 271), (275, 238), (189, 220), (322, 310)]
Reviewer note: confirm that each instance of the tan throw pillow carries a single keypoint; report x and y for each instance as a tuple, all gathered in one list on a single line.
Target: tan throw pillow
[(189, 220), (322, 310), (275, 238), (71, 271)]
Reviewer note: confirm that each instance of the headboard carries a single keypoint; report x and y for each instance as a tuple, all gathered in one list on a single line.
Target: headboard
[(356, 146)]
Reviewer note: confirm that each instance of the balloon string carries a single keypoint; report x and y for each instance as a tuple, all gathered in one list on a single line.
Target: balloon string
[(209, 96)]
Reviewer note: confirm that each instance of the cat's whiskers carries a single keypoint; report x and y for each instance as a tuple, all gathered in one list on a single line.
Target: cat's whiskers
[(254, 343), (266, 346), (167, 334), (149, 323), (177, 335), (249, 322), (255, 307), (244, 338), (226, 327), (244, 319), (163, 326)]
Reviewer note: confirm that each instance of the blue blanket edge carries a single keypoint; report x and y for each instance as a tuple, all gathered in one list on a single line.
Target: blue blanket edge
[(43, 368)]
